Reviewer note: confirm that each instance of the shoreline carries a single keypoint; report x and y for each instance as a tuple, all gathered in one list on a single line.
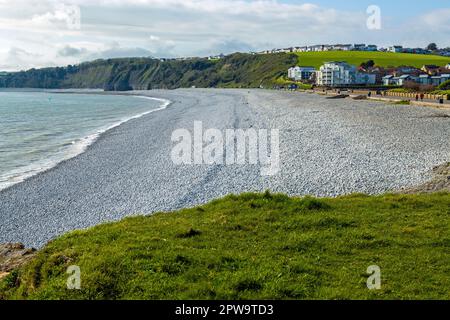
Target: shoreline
[(81, 145)]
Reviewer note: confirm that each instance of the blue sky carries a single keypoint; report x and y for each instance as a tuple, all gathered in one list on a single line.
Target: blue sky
[(40, 33), (399, 8)]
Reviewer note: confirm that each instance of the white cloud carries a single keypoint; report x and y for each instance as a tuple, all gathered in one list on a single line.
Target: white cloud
[(437, 20), (190, 27)]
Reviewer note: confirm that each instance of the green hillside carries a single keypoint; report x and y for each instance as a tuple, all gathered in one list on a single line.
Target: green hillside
[(254, 246), (383, 59), (236, 70)]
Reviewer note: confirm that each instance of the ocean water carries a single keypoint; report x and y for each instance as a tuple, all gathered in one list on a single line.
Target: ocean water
[(40, 129)]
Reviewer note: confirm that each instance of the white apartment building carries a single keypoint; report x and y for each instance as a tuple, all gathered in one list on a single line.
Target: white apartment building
[(339, 73), (336, 73)]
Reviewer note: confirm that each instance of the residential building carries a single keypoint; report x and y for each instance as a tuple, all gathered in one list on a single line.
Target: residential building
[(398, 81), (438, 80), (218, 57), (388, 80), (445, 77), (316, 48), (301, 73), (301, 49), (284, 50), (395, 49), (343, 47), (431, 69), (363, 47), (336, 73), (420, 51), (424, 79), (401, 81), (359, 47), (339, 73)]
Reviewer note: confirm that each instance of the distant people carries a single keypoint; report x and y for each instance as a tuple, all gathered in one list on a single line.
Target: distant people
[(369, 94), (417, 97), (422, 96)]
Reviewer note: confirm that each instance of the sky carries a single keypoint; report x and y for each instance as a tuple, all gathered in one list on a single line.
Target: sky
[(46, 33)]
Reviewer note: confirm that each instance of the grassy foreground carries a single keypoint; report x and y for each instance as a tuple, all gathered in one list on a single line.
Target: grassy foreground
[(383, 59), (255, 246)]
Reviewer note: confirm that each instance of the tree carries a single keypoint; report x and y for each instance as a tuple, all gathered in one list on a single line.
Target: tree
[(445, 85), (368, 64), (432, 46)]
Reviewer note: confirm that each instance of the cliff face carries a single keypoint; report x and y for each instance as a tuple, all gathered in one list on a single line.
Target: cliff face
[(237, 70)]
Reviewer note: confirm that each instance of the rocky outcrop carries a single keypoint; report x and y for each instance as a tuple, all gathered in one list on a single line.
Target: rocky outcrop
[(12, 256)]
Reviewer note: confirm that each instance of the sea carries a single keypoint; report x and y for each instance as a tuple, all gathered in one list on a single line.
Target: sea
[(39, 129)]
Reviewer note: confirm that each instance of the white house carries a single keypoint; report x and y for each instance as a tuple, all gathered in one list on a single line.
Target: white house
[(405, 78), (388, 80), (447, 66), (395, 49), (301, 49), (316, 48), (301, 73), (343, 47)]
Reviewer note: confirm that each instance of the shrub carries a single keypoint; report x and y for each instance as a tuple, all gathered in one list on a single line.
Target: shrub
[(444, 86)]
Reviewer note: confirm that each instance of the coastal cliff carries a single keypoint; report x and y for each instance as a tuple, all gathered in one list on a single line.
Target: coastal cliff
[(236, 70)]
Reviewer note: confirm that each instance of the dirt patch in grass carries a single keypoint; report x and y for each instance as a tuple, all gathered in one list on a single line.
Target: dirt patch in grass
[(439, 183)]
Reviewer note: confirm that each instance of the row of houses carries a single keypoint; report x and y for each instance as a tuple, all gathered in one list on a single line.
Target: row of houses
[(324, 47), (423, 79), (400, 49), (340, 73), (355, 47)]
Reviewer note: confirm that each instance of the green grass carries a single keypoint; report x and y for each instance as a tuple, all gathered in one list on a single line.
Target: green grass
[(383, 59), (442, 92), (403, 102), (401, 90), (282, 81), (255, 246)]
